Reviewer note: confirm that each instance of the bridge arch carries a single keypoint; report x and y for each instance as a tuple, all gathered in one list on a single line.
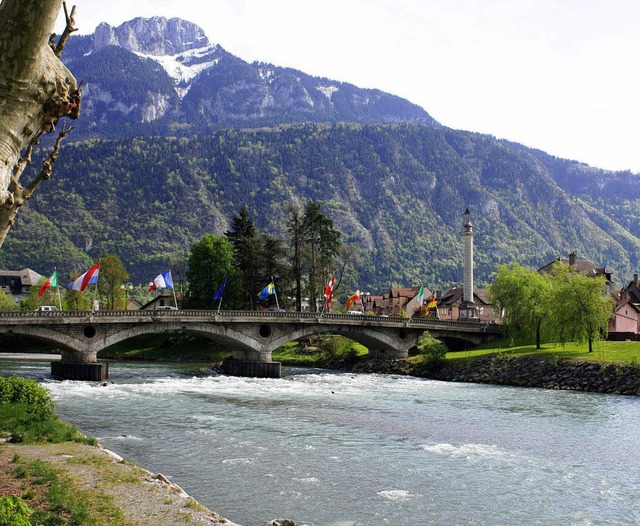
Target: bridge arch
[(371, 339), (234, 339), (64, 340)]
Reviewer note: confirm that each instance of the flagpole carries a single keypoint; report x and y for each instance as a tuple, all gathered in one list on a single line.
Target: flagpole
[(93, 300), (275, 293), (95, 290), (58, 287), (173, 289), (55, 271), (220, 302)]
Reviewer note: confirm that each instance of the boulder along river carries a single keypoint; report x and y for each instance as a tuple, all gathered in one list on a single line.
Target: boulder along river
[(335, 448)]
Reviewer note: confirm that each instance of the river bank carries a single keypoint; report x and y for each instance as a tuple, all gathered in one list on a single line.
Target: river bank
[(522, 371), (133, 496)]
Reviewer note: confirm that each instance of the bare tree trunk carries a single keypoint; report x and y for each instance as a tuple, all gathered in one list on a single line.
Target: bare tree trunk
[(36, 89)]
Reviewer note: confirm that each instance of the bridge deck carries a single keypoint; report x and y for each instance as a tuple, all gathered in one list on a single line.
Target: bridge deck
[(209, 316)]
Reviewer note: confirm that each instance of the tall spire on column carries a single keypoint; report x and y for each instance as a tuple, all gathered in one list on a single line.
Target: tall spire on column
[(468, 309), (467, 238)]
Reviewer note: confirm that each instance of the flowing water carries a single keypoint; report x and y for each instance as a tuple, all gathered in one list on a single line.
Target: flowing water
[(326, 448)]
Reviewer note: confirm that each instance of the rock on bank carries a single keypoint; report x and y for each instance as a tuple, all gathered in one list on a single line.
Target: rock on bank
[(524, 371)]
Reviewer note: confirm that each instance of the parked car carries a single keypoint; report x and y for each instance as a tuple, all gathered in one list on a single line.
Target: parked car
[(166, 307), (46, 308), (355, 312)]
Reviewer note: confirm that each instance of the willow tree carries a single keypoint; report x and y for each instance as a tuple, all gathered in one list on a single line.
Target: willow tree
[(36, 90), (579, 307), (523, 294)]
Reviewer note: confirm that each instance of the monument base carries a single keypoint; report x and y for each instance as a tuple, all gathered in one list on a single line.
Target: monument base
[(253, 369), (96, 372)]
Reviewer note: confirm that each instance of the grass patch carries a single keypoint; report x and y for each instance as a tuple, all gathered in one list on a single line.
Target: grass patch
[(19, 423), (604, 351), (109, 471), (60, 502), (318, 351)]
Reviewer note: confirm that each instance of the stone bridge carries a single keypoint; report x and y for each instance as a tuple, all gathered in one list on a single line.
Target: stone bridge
[(251, 336)]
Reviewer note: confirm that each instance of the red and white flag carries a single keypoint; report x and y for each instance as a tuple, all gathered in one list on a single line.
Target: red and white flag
[(328, 293), (90, 277)]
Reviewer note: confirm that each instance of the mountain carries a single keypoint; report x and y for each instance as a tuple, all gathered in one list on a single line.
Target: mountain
[(156, 76), (160, 159), (398, 192)]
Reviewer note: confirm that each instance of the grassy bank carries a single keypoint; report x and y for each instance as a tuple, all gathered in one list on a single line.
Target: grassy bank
[(35, 491), (627, 353), (170, 348), (51, 474)]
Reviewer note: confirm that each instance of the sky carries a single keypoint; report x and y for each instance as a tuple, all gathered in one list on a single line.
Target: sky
[(562, 76)]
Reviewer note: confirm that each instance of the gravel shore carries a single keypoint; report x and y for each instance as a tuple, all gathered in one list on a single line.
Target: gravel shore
[(143, 497)]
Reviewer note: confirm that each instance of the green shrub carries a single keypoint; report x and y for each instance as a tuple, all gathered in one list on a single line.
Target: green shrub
[(433, 351), (26, 414), (17, 390), (339, 348), (14, 511)]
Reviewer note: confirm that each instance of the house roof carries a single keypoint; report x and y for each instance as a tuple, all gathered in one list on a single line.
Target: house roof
[(635, 306), (157, 299), (405, 292), (584, 266), (27, 276), (632, 290), (454, 295)]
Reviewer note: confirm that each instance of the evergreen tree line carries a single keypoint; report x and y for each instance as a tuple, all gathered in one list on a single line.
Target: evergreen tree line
[(247, 261)]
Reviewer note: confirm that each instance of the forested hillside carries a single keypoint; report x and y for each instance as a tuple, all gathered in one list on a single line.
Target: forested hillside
[(396, 191)]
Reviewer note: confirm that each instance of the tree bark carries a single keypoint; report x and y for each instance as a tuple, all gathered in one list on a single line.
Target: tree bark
[(36, 89)]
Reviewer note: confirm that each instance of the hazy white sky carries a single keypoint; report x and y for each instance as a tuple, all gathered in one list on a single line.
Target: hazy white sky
[(559, 75)]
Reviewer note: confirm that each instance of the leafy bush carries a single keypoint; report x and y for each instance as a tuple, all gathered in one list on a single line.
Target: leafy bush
[(339, 348), (16, 390), (26, 414), (433, 351), (14, 511)]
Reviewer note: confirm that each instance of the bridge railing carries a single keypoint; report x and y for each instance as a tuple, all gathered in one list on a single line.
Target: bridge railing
[(427, 323)]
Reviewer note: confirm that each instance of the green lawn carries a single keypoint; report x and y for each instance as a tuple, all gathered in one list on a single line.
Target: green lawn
[(604, 351)]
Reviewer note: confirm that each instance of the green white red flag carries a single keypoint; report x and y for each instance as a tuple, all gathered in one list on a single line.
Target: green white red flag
[(420, 298), (51, 282)]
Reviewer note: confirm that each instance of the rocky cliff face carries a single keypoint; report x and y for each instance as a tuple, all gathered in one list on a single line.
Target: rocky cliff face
[(159, 76), (151, 36)]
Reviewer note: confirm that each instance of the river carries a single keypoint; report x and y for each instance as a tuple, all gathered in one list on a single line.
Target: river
[(336, 449)]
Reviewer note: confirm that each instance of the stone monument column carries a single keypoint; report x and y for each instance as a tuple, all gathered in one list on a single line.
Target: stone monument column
[(467, 238), (468, 309)]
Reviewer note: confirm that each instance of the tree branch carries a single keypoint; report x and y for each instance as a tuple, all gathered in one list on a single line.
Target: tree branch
[(18, 195), (47, 164), (68, 29)]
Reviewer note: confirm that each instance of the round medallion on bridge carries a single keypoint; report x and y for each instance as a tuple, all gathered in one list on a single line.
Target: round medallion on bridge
[(89, 331), (265, 330)]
